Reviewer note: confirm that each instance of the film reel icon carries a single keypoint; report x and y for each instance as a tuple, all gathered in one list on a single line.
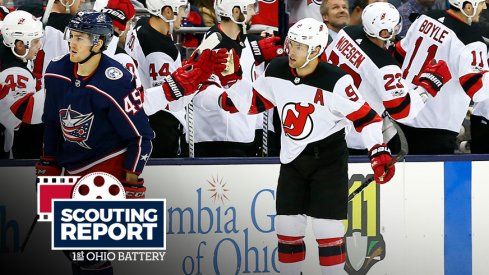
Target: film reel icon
[(98, 185)]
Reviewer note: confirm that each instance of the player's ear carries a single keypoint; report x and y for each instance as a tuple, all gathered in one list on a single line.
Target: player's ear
[(99, 44), (20, 47), (167, 12), (316, 51)]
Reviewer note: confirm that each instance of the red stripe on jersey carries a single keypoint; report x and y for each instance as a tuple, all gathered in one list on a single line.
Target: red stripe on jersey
[(23, 108), (398, 108), (363, 117), (227, 104), (472, 83), (259, 103), (400, 50)]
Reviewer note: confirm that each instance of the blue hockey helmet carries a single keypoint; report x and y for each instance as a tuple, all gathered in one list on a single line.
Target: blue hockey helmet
[(97, 25)]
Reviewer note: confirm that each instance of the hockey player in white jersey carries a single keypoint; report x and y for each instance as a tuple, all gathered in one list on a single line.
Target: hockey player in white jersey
[(445, 35), (121, 12), (22, 104), (231, 134), (316, 100), (150, 43), (479, 127), (53, 43), (361, 52)]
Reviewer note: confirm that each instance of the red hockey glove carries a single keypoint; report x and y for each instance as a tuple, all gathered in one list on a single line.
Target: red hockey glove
[(187, 79), (267, 48), (134, 190), (434, 76), (47, 166), (382, 163), (233, 72)]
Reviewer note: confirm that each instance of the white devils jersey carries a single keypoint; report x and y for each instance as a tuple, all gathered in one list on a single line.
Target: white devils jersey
[(300, 9), (211, 122), (440, 36), (376, 75), (53, 43), (314, 107), (156, 57), (21, 104)]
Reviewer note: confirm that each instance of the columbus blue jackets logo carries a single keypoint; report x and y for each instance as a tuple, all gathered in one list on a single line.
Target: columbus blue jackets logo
[(113, 73), (297, 119), (76, 127)]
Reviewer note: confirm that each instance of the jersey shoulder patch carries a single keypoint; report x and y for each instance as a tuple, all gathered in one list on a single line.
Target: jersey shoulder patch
[(113, 73)]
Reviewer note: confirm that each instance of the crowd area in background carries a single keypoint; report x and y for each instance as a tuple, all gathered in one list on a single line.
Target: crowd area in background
[(213, 133)]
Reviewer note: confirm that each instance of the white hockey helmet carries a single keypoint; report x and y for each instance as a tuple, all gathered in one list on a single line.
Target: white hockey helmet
[(380, 16), (23, 26), (224, 8), (310, 32), (156, 6), (460, 3)]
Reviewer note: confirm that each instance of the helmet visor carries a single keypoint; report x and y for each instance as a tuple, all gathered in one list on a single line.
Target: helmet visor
[(78, 38)]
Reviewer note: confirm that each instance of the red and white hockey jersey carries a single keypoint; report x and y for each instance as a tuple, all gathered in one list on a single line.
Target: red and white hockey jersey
[(156, 57), (441, 36), (300, 9), (211, 122), (311, 108), (376, 75), (53, 43), (482, 108), (22, 103)]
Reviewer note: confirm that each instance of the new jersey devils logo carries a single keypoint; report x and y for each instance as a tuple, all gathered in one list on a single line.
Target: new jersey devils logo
[(298, 123), (76, 127)]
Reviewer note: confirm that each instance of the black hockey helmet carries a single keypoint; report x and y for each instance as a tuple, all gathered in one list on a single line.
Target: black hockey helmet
[(97, 24)]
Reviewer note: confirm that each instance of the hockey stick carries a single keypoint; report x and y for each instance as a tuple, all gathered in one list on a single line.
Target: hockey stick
[(208, 43), (399, 157), (47, 12), (264, 149), (29, 233)]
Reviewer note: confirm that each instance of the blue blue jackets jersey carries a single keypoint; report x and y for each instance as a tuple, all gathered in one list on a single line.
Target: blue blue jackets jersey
[(92, 119)]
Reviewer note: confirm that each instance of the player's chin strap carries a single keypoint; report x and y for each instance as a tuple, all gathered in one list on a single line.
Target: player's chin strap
[(23, 57), (92, 54), (308, 59), (67, 5)]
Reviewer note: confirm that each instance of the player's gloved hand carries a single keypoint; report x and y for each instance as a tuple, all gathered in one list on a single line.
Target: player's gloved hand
[(382, 163), (47, 166), (227, 104), (434, 76), (267, 48), (134, 190), (187, 79), (233, 72)]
